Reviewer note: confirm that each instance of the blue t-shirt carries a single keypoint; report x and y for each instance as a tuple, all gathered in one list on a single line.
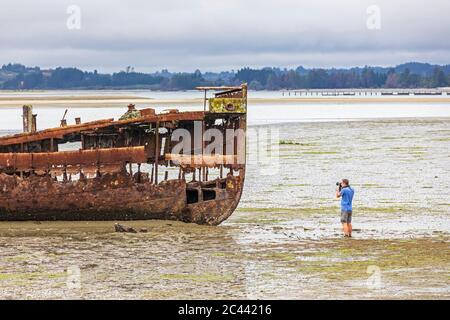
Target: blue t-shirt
[(347, 194)]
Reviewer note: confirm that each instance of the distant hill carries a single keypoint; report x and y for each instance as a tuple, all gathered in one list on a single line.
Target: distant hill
[(423, 69), (14, 76)]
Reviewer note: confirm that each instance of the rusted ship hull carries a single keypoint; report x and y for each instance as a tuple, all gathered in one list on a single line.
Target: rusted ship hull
[(111, 183), (112, 197)]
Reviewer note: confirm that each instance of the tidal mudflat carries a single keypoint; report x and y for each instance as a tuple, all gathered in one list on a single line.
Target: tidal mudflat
[(284, 241)]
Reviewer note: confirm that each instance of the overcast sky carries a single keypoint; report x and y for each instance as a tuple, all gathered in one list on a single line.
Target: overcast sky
[(183, 35)]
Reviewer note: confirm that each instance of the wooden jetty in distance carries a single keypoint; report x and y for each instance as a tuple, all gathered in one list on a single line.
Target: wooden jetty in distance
[(365, 92)]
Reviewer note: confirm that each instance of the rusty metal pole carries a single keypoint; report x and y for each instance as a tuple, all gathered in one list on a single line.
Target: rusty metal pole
[(33, 122), (203, 142), (203, 151), (157, 152), (204, 102), (27, 118), (65, 179), (25, 111)]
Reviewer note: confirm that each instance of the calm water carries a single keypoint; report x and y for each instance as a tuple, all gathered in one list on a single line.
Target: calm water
[(259, 112), (284, 241)]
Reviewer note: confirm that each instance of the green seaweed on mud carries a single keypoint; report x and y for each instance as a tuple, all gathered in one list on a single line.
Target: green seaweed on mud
[(292, 185), (161, 294), (277, 215), (296, 143), (385, 255), (283, 256), (257, 220), (201, 277), (266, 210), (320, 152), (31, 276), (387, 210), (296, 210), (18, 258)]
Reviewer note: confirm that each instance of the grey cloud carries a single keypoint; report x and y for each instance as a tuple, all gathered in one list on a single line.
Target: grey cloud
[(208, 34)]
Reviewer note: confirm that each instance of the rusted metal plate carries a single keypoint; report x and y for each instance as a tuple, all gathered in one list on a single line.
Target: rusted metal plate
[(113, 196), (163, 117), (52, 133), (43, 161), (197, 161), (89, 171), (218, 88), (62, 131), (149, 112), (110, 197), (214, 212)]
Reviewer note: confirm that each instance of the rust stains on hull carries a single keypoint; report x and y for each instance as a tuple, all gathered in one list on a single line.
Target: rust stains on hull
[(112, 197)]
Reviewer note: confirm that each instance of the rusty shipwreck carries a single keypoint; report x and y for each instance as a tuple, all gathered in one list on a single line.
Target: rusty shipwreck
[(126, 169)]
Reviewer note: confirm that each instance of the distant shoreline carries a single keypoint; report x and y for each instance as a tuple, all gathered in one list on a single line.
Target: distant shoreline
[(121, 101)]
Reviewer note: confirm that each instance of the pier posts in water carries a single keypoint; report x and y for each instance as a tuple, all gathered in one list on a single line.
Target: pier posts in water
[(366, 92)]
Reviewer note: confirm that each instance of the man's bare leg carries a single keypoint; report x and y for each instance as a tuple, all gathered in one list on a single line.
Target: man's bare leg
[(345, 229), (350, 229)]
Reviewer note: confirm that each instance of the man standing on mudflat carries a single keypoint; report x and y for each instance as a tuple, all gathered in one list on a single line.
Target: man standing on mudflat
[(346, 193)]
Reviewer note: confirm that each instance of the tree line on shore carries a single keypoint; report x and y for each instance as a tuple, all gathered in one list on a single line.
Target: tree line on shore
[(410, 75)]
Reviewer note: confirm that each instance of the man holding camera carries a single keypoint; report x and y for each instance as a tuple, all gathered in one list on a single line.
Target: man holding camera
[(346, 193)]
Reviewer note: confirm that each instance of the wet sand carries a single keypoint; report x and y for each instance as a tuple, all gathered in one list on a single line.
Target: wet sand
[(284, 241), (178, 261)]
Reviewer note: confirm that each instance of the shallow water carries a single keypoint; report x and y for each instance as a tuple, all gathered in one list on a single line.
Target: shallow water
[(281, 109), (284, 241)]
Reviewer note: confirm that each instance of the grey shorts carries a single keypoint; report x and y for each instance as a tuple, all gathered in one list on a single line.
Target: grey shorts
[(346, 216)]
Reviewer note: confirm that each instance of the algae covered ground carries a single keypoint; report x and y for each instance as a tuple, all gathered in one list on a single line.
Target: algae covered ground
[(284, 241)]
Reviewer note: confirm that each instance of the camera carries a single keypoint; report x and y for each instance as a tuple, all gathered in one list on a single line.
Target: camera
[(338, 184)]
